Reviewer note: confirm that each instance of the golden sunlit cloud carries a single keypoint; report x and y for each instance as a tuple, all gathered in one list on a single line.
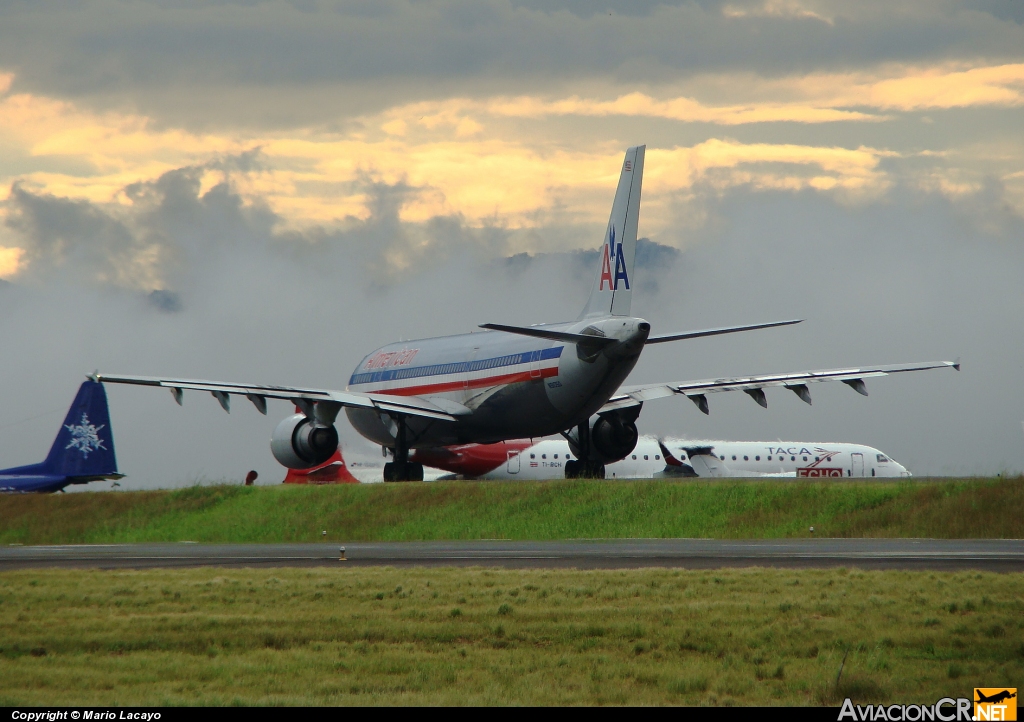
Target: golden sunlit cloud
[(998, 85), (473, 158), (683, 109), (909, 89), (776, 8), (10, 261)]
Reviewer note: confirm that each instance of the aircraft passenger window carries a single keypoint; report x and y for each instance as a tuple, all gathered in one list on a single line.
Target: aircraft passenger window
[(734, 457), (556, 456), (757, 458), (769, 458), (817, 459), (533, 456), (746, 458), (646, 458), (805, 458), (723, 458), (634, 457), (657, 457), (792, 458), (543, 456), (682, 457)]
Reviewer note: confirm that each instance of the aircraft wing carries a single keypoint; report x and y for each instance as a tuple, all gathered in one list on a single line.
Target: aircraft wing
[(304, 398), (797, 382)]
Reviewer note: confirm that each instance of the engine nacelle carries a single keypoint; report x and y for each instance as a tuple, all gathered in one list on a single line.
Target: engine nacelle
[(298, 443), (612, 436)]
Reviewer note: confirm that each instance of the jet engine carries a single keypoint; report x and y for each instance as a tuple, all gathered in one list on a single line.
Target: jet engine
[(299, 443), (612, 436)]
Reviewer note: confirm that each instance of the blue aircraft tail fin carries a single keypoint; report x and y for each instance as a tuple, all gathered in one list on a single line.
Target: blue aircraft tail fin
[(85, 443)]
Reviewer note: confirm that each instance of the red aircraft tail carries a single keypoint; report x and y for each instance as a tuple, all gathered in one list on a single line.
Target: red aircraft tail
[(332, 471)]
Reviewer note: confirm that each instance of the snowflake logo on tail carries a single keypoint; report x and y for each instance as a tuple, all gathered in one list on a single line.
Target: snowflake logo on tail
[(85, 437)]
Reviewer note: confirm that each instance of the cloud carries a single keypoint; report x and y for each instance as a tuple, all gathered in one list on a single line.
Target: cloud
[(778, 9), (10, 260), (681, 109), (920, 88)]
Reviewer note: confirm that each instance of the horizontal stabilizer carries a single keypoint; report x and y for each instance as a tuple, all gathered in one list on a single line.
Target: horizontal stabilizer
[(552, 335), (719, 331)]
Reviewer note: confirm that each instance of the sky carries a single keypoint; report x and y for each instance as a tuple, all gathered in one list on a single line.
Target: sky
[(266, 191)]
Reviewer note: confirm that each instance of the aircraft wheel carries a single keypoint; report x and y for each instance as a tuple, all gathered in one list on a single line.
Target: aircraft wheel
[(572, 469), (394, 471)]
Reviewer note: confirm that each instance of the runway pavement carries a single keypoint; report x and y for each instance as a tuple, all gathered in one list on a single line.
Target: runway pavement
[(937, 554)]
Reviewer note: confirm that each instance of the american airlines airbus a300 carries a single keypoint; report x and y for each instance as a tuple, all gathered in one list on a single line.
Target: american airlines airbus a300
[(511, 381)]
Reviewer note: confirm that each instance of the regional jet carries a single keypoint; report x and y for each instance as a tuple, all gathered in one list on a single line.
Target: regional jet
[(513, 381), (654, 458), (82, 452)]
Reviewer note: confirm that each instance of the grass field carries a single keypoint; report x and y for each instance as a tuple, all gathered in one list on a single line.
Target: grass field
[(977, 508), (480, 636)]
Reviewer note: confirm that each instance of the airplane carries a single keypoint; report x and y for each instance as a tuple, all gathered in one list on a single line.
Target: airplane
[(996, 698), (339, 470), (512, 382), (82, 452), (654, 458)]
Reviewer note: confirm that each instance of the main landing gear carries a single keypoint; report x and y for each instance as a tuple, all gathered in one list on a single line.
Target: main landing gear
[(584, 468), (401, 469)]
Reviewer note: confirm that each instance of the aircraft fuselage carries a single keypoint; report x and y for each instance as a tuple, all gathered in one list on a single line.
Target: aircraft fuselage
[(498, 385)]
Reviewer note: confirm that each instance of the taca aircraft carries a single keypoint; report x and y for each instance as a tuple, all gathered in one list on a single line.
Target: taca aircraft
[(512, 381), (82, 452), (654, 458)]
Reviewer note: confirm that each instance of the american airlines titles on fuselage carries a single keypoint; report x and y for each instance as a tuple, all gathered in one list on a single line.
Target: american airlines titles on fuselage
[(512, 381)]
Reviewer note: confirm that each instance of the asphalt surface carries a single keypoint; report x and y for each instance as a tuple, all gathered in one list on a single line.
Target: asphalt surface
[(935, 554)]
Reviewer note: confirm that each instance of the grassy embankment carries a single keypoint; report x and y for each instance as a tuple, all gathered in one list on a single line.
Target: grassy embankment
[(976, 508), (476, 636)]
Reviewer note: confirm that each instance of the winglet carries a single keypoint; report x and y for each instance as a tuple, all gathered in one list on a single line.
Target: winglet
[(956, 364)]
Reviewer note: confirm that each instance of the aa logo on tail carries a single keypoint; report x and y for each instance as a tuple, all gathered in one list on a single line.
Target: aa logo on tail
[(612, 251)]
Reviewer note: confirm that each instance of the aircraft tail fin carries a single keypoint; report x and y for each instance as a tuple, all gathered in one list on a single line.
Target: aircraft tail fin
[(332, 471), (85, 442), (612, 291)]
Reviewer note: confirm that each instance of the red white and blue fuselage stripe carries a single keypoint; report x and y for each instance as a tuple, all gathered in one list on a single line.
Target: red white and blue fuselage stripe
[(456, 376)]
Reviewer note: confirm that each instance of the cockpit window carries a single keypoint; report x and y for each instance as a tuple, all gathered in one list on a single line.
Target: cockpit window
[(881, 458)]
